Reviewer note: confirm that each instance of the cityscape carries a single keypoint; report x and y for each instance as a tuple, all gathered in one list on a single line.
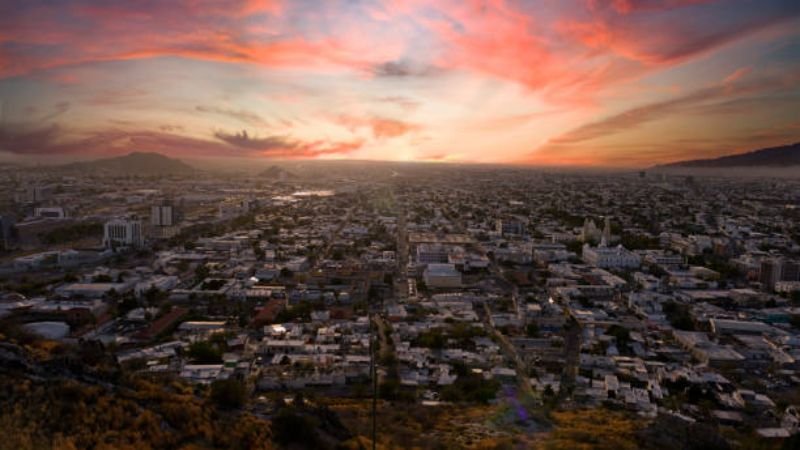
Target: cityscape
[(354, 225), (664, 306)]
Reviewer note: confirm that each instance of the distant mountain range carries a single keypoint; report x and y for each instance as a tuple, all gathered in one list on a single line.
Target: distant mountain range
[(787, 155), (137, 163), (277, 174)]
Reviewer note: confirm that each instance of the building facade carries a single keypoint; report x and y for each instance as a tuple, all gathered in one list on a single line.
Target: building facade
[(611, 257), (125, 232)]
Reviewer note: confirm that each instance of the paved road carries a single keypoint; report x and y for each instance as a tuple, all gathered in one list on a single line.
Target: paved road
[(329, 244), (572, 353), (510, 352), (401, 280)]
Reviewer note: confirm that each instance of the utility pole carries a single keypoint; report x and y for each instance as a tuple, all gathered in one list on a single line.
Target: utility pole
[(374, 375)]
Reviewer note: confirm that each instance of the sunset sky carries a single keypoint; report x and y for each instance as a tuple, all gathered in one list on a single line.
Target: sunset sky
[(551, 82)]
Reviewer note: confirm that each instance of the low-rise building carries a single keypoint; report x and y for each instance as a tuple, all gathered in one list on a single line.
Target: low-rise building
[(611, 257), (442, 276)]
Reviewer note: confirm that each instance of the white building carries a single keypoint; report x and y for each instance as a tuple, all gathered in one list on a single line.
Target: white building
[(432, 253), (231, 208), (164, 221), (55, 212), (123, 232), (663, 259), (160, 282), (162, 216), (55, 258), (611, 257), (510, 227), (646, 281), (589, 232), (787, 286), (35, 194), (442, 276), (519, 253)]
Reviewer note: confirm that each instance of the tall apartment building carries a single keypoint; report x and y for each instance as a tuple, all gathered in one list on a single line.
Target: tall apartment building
[(165, 221), (510, 227), (34, 194), (163, 215), (7, 234), (123, 232), (774, 270)]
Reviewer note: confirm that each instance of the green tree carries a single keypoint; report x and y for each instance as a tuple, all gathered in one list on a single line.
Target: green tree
[(290, 427), (201, 272), (205, 352), (621, 334), (228, 394), (432, 339)]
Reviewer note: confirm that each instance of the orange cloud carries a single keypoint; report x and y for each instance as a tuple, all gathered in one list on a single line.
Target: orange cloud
[(380, 127)]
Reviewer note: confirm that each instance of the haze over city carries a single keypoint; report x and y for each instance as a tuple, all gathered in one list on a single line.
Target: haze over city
[(622, 83)]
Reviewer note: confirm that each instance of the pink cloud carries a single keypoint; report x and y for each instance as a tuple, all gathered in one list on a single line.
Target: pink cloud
[(629, 6), (653, 40), (493, 38), (195, 29), (381, 127), (736, 75)]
